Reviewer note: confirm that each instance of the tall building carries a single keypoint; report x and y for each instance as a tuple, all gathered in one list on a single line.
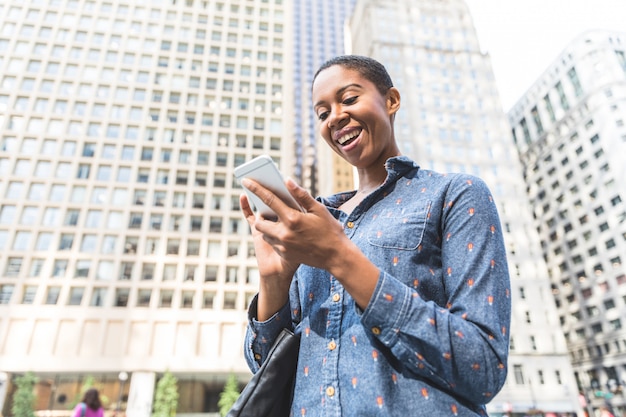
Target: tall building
[(318, 36), (451, 120), (569, 130), (122, 247)]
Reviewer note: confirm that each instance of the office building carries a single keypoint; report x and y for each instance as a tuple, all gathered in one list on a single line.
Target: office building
[(122, 244), (451, 120), (318, 36), (569, 130)]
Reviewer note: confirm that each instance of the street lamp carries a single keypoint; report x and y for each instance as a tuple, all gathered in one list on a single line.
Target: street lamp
[(123, 376)]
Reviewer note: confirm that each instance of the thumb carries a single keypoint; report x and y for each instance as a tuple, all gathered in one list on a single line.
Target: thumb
[(301, 195)]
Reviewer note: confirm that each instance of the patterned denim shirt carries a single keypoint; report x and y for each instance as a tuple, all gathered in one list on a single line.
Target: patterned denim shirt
[(434, 339)]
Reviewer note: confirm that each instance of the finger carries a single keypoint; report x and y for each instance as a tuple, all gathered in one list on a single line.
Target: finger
[(301, 195), (268, 198), (246, 209)]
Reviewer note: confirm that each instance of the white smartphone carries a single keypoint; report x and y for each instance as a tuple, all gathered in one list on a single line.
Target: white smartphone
[(263, 170)]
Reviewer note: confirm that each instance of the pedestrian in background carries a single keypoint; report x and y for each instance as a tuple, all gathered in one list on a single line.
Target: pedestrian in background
[(90, 406)]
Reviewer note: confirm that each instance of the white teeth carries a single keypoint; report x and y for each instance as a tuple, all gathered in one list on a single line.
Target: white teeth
[(348, 136)]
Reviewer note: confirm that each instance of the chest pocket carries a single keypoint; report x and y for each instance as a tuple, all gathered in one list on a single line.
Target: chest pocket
[(401, 232)]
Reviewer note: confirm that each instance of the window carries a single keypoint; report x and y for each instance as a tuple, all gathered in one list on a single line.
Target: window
[(208, 298), (186, 299), (28, 296), (98, 297), (76, 296), (135, 221), (13, 267), (82, 268), (36, 266), (169, 272), (143, 297), (210, 273), (121, 297), (52, 296), (60, 266), (519, 374), (173, 246), (147, 272), (230, 300), (6, 291), (190, 272)]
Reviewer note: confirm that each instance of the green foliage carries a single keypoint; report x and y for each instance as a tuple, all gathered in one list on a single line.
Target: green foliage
[(24, 396), (229, 395), (166, 396)]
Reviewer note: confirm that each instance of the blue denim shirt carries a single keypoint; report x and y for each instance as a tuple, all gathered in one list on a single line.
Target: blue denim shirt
[(434, 339)]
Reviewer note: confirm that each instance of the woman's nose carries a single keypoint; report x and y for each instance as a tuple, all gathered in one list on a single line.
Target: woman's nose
[(337, 117)]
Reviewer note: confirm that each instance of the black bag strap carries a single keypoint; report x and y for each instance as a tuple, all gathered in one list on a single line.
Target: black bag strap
[(270, 391)]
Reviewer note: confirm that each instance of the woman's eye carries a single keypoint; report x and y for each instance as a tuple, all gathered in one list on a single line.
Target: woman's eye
[(322, 116), (350, 100)]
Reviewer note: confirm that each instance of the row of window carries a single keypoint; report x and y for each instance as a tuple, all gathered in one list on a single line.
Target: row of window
[(598, 350), (129, 270), (27, 240), (522, 379), (187, 152), (139, 11), (105, 20), (118, 112), (122, 297), (560, 94), (107, 173), (16, 190)]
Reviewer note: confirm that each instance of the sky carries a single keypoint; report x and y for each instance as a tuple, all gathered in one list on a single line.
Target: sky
[(523, 37)]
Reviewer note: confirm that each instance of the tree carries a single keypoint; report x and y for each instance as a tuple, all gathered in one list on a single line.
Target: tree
[(24, 396), (229, 395), (166, 396)]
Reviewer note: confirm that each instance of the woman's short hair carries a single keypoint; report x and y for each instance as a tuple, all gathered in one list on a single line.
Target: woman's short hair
[(367, 67)]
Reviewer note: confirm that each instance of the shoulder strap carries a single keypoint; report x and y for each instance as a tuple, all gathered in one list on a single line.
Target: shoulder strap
[(83, 409)]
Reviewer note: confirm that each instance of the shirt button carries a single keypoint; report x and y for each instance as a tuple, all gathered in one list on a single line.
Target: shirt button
[(257, 356), (336, 297), (376, 330), (332, 345), (330, 391), (350, 225)]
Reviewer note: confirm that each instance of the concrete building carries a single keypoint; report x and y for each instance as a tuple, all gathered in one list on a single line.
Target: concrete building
[(569, 130), (451, 120), (122, 247)]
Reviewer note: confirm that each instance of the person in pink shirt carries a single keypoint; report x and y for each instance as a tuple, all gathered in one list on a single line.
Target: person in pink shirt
[(90, 406)]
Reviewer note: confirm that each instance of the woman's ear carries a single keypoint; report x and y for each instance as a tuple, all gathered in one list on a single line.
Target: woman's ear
[(393, 100)]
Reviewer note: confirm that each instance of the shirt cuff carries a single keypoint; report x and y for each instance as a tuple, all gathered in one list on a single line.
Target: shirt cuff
[(265, 332), (386, 309)]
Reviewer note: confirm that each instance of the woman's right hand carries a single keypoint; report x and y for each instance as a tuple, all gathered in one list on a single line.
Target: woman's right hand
[(275, 273)]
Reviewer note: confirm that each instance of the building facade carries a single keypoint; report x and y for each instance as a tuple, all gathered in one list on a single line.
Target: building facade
[(122, 247), (318, 35), (451, 121), (569, 130)]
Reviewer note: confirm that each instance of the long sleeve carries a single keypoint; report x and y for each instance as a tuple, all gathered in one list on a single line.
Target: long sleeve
[(461, 344)]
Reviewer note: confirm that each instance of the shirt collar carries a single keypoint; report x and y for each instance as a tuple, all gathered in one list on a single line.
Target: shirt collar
[(396, 167)]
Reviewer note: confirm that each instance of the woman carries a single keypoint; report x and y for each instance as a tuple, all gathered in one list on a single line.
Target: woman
[(90, 406), (399, 289)]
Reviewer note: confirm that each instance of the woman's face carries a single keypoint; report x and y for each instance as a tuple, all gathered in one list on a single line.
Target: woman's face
[(354, 118)]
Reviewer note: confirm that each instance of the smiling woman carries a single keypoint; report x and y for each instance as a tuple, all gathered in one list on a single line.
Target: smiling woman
[(399, 290)]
